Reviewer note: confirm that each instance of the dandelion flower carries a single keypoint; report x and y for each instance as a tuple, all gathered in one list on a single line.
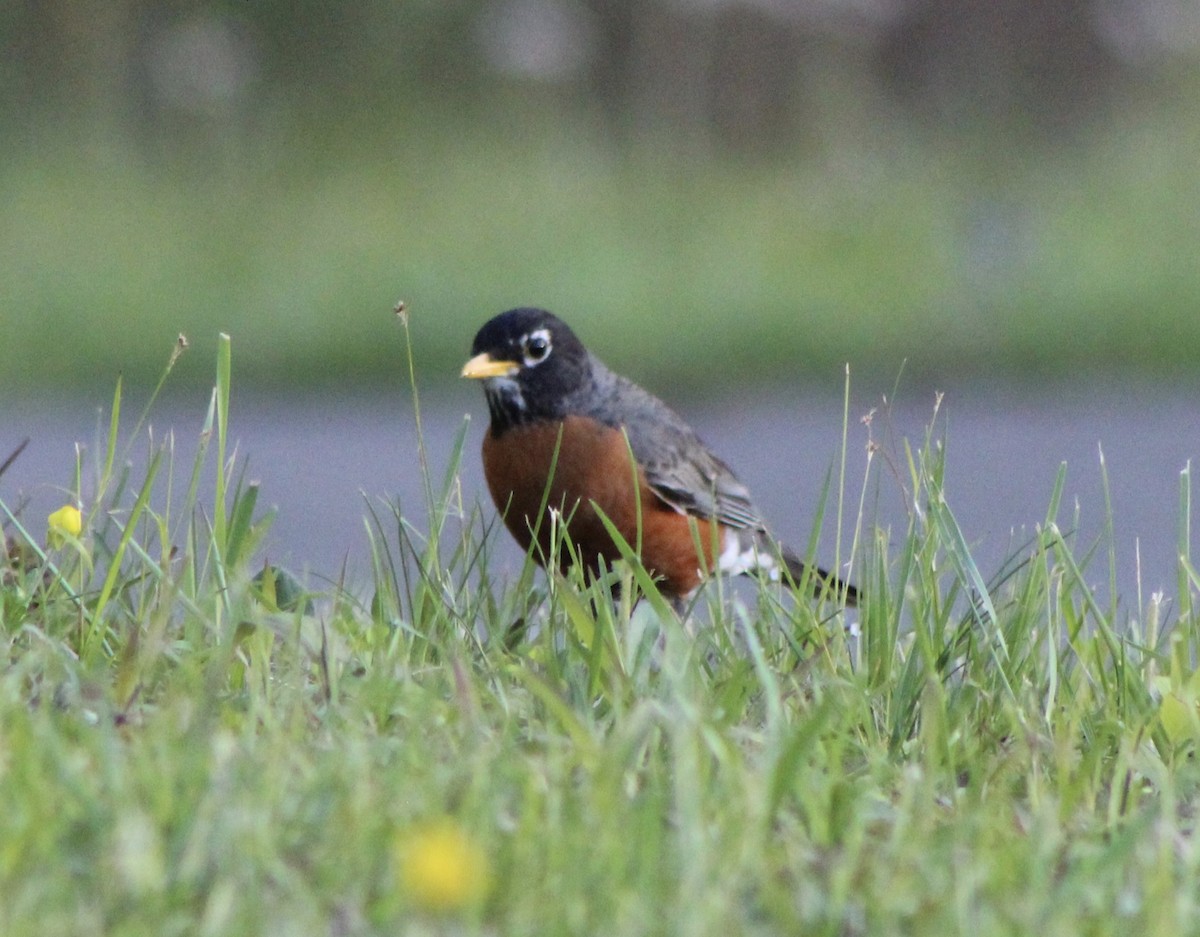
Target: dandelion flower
[(441, 868), (65, 522)]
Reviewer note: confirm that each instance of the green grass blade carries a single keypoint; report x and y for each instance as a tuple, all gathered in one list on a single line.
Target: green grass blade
[(114, 425), (221, 399), (95, 632)]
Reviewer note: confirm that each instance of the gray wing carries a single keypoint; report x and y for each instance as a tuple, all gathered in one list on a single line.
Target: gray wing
[(696, 482), (679, 468)]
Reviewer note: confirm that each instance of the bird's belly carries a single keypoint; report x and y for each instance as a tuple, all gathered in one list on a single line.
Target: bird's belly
[(581, 468)]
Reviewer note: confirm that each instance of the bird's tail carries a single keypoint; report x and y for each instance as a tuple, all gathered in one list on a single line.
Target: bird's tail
[(823, 582), (755, 552)]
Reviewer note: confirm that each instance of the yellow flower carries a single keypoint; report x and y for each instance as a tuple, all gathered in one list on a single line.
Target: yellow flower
[(441, 868), (65, 522)]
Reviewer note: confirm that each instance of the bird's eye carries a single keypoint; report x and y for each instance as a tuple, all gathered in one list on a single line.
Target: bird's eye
[(537, 347)]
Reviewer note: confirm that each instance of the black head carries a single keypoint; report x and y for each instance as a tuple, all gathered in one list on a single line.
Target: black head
[(531, 365)]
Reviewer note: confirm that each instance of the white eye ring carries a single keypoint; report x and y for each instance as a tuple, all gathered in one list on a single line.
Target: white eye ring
[(535, 347)]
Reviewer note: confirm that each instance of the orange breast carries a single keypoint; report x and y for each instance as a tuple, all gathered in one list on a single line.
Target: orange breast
[(594, 469)]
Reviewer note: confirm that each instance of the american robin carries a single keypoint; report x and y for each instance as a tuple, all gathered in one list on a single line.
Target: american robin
[(569, 434)]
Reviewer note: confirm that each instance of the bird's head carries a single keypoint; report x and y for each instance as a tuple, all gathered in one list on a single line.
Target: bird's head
[(531, 365)]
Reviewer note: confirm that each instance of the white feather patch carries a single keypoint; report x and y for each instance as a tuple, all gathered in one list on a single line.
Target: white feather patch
[(737, 558)]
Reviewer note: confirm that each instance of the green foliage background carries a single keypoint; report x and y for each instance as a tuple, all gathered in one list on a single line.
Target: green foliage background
[(380, 158)]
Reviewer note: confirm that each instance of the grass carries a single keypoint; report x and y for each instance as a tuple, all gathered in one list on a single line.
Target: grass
[(188, 746), (961, 255)]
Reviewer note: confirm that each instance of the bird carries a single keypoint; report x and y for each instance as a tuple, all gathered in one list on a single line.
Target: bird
[(569, 435)]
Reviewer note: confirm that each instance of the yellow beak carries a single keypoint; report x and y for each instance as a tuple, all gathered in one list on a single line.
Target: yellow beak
[(485, 365)]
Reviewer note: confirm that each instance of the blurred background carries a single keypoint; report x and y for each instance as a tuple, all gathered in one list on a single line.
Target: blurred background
[(730, 200)]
